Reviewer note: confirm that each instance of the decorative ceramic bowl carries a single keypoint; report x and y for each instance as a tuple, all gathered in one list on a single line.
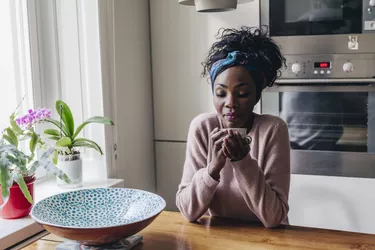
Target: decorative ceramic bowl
[(98, 216)]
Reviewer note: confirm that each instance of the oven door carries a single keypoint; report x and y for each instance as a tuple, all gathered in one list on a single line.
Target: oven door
[(315, 17), (331, 127)]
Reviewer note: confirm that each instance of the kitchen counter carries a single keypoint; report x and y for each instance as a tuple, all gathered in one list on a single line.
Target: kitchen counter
[(171, 231)]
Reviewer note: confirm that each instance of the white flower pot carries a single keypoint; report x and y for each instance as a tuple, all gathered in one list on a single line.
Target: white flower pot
[(71, 165)]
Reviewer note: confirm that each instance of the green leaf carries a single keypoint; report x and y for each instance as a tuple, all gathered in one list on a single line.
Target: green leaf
[(66, 116), (53, 132), (11, 137), (7, 138), (57, 124), (15, 157), (48, 165), (5, 148), (6, 180), (18, 160), (55, 138), (40, 141), (64, 142), (55, 157), (21, 183), (15, 127), (47, 154), (33, 168), (12, 150), (82, 142), (95, 119), (33, 143)]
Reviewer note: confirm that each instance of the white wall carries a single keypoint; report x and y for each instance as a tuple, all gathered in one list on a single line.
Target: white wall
[(180, 40), (126, 65)]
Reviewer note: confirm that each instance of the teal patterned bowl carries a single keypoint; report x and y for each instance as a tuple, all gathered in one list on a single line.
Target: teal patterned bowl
[(98, 216)]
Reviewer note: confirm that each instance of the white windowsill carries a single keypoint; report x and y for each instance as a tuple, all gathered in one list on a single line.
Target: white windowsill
[(14, 231)]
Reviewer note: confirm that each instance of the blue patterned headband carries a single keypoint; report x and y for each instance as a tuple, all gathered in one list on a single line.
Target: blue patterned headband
[(234, 58)]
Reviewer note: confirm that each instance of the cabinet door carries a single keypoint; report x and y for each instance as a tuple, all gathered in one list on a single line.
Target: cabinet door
[(170, 157), (337, 203), (180, 40), (129, 94), (178, 47)]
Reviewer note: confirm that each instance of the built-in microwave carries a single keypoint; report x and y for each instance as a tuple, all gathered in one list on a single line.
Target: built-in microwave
[(320, 26)]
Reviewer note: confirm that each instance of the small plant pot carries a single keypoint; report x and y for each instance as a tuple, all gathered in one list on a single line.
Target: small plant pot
[(18, 206), (71, 165)]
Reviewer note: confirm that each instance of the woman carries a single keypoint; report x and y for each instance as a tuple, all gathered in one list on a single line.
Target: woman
[(224, 174)]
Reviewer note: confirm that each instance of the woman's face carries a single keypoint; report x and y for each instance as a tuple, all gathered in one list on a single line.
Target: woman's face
[(234, 96)]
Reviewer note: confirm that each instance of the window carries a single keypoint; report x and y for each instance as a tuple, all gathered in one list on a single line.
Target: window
[(50, 50), (15, 65), (18, 92)]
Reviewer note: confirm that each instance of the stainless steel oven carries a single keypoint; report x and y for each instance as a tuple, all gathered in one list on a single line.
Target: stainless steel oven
[(326, 93), (328, 102)]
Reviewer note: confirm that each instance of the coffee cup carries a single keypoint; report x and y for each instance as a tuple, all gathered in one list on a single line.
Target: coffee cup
[(241, 131)]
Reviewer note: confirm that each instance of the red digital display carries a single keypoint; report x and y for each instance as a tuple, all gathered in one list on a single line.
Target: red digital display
[(322, 65)]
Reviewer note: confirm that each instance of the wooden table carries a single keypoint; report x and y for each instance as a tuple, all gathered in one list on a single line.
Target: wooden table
[(171, 231)]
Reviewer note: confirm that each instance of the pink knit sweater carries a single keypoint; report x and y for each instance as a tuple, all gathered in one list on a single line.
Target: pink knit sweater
[(255, 188)]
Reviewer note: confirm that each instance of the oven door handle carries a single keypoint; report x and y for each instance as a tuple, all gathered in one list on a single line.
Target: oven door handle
[(346, 81), (323, 85)]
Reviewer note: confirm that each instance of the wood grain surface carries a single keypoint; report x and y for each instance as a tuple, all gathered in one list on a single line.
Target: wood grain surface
[(171, 231)]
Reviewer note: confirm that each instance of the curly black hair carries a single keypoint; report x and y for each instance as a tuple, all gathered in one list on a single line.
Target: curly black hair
[(259, 48)]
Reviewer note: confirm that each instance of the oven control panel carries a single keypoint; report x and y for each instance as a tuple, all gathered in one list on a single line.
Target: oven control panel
[(329, 66)]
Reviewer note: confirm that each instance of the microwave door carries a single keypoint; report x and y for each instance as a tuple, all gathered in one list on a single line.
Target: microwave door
[(314, 17)]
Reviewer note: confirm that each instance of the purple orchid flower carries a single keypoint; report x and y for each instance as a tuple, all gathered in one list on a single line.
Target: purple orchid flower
[(32, 117)]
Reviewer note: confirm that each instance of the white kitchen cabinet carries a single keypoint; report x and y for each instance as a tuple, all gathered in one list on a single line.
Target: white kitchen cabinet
[(178, 47), (315, 201), (338, 203), (170, 157), (180, 39), (128, 91)]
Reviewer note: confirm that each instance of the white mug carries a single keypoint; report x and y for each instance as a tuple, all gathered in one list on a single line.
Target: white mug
[(241, 131)]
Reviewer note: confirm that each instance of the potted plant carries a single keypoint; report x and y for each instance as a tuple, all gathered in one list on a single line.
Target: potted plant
[(18, 165), (67, 154)]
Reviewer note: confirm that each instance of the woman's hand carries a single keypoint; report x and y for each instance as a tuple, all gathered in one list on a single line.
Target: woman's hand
[(234, 146), (218, 158)]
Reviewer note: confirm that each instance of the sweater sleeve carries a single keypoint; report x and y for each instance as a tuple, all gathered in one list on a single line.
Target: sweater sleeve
[(266, 191), (197, 187)]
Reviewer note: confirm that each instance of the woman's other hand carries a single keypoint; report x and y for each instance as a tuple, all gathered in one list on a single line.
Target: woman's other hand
[(218, 158), (234, 146)]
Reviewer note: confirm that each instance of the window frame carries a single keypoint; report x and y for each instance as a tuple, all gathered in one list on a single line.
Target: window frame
[(67, 55)]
